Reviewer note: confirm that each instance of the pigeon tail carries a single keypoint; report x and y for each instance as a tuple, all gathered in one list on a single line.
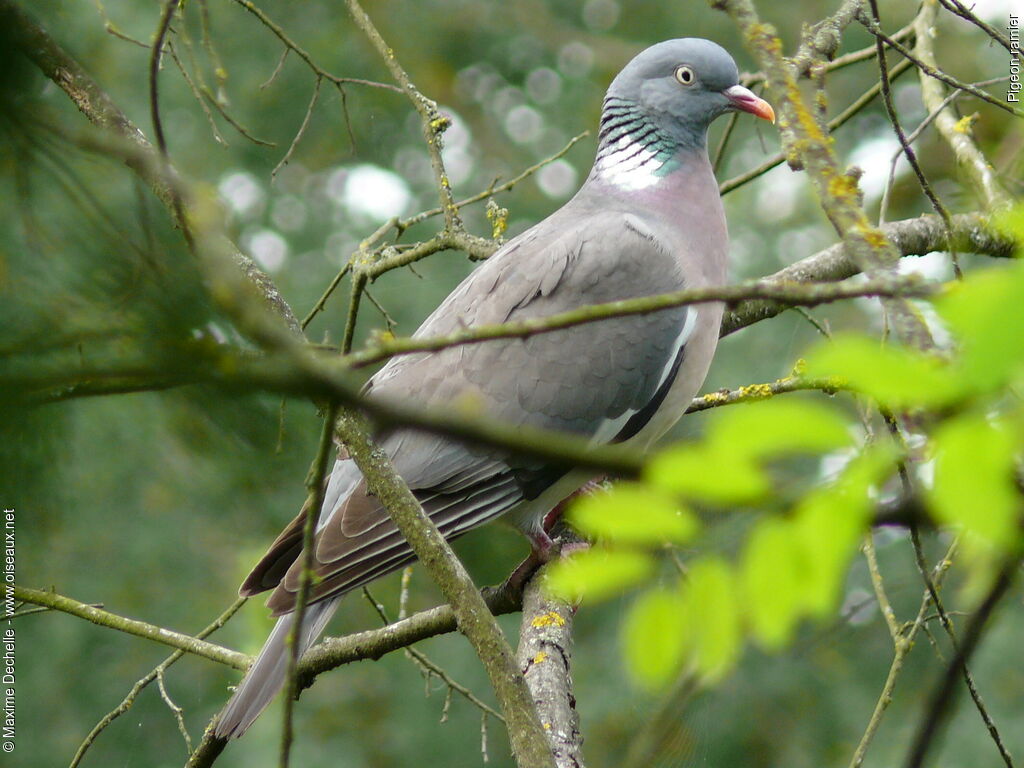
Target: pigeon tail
[(266, 675)]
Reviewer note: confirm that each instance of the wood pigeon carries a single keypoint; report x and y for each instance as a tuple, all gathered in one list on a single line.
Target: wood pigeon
[(648, 220)]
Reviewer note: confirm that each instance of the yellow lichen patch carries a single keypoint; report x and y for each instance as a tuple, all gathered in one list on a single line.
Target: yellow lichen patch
[(540, 657), (756, 391), (498, 217), (549, 619), (806, 120), (716, 398), (965, 124), (547, 726), (874, 238), (843, 186), (765, 35)]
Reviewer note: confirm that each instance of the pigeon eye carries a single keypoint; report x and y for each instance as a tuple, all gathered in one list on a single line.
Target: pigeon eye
[(685, 76)]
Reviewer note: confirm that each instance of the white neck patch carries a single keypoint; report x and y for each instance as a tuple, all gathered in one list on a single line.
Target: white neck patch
[(628, 165)]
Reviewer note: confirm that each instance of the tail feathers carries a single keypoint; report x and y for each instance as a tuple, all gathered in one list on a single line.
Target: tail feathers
[(266, 675)]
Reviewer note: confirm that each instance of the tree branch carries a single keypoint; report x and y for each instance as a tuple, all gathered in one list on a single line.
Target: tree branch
[(101, 111), (781, 292), (812, 149), (903, 637), (103, 618), (545, 654), (475, 621), (334, 652), (934, 71), (291, 45), (942, 697), (821, 40), (910, 237), (158, 671), (434, 124), (316, 488), (981, 174)]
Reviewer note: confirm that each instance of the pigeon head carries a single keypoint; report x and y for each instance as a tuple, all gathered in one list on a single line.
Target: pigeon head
[(662, 102), (682, 85)]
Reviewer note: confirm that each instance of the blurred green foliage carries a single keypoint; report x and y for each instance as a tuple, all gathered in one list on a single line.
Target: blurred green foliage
[(155, 504), (795, 564)]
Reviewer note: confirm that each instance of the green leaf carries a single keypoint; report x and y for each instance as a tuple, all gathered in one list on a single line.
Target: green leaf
[(974, 478), (770, 580), (778, 427), (830, 521), (710, 594), (984, 313), (598, 573), (828, 529), (654, 636), (897, 377), (633, 514), (709, 475)]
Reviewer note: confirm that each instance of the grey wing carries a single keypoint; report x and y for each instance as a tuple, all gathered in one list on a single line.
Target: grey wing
[(588, 379), (602, 380)]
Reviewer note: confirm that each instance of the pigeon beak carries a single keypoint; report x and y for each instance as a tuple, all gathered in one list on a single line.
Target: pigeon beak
[(746, 100)]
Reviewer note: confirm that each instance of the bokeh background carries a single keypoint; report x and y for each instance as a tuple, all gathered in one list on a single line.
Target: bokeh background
[(156, 504)]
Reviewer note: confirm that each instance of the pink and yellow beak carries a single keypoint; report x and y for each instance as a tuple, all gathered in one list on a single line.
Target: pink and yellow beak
[(746, 100)]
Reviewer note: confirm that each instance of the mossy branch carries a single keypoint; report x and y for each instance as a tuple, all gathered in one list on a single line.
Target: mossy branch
[(103, 618), (545, 655), (474, 620), (788, 294), (953, 131), (809, 147)]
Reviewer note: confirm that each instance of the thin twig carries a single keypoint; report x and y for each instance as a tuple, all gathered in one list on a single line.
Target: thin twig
[(358, 284), (290, 44), (958, 8), (903, 643), (966, 151), (208, 94), (403, 224), (154, 70), (908, 150), (935, 72), (104, 618), (136, 689), (834, 124), (895, 630), (277, 70), (197, 95), (317, 488), (753, 392), (723, 141), (219, 70), (942, 697), (175, 710), (432, 122), (947, 625), (301, 132), (388, 319), (788, 293), (428, 667)]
